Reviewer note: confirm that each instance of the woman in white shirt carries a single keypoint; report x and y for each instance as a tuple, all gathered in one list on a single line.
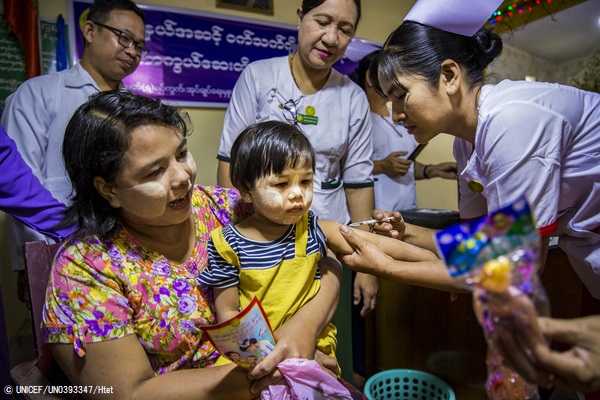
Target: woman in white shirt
[(331, 110)]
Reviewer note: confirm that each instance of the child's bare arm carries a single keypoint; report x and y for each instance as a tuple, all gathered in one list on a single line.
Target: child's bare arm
[(395, 248), (227, 303)]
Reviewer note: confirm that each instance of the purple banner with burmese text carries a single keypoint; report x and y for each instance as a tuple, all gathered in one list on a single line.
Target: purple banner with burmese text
[(196, 57)]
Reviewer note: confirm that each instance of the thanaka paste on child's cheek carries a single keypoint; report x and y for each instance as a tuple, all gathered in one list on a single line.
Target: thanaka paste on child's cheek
[(309, 197), (269, 197), (146, 200)]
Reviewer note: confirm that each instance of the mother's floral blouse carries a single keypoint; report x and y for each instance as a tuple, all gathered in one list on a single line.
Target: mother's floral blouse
[(107, 288)]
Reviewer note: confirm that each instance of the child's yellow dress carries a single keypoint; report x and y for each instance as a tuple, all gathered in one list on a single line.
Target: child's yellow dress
[(285, 281)]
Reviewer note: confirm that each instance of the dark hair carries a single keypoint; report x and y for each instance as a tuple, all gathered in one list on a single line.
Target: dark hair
[(417, 49), (101, 9), (359, 75), (243, 344), (267, 148), (96, 139), (309, 5)]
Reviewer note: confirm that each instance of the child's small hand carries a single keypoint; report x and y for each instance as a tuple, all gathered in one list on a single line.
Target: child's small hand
[(327, 363), (273, 378), (292, 342)]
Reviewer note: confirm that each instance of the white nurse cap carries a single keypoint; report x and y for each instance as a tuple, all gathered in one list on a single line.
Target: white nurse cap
[(456, 16)]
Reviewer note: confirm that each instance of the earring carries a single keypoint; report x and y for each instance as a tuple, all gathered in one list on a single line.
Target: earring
[(451, 91)]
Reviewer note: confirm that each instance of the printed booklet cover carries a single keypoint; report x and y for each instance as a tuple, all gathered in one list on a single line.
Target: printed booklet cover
[(244, 339)]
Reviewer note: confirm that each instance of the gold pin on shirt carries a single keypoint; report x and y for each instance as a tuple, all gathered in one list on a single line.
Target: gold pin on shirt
[(475, 186)]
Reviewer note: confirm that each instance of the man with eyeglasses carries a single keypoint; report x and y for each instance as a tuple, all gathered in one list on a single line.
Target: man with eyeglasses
[(37, 114)]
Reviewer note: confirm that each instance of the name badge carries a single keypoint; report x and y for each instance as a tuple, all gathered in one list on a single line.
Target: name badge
[(309, 118)]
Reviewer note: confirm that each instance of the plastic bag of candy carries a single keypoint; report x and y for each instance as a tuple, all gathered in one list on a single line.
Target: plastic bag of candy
[(306, 380), (497, 257)]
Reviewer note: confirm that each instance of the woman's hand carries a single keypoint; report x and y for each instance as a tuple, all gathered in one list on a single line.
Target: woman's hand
[(524, 341), (366, 288), (530, 354), (327, 363), (579, 367), (446, 170), (393, 165), (366, 256), (395, 228), (289, 345)]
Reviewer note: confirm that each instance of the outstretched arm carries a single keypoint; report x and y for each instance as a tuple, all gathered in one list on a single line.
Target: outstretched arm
[(396, 249), (446, 170), (124, 365), (371, 259)]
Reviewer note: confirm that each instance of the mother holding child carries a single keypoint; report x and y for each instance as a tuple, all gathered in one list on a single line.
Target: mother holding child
[(124, 305)]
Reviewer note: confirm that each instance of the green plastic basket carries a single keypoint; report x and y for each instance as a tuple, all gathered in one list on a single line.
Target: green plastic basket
[(407, 384)]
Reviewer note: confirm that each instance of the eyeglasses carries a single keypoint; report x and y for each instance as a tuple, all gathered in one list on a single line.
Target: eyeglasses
[(290, 111), (126, 40)]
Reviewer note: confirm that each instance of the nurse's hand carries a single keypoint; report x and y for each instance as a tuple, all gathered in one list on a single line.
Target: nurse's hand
[(445, 170), (394, 164), (394, 228), (366, 257)]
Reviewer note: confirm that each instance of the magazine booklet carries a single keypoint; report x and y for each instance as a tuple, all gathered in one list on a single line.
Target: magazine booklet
[(244, 339)]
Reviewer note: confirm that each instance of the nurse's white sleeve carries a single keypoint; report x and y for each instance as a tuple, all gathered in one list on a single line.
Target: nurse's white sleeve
[(356, 164), (520, 155)]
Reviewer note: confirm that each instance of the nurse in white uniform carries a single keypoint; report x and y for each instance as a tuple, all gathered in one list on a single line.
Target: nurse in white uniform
[(331, 110), (393, 173), (532, 139)]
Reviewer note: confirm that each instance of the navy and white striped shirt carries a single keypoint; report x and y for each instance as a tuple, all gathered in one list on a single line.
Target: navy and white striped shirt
[(258, 255)]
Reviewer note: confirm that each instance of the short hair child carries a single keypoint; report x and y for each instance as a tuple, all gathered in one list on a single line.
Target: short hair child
[(274, 253), (267, 148), (242, 258)]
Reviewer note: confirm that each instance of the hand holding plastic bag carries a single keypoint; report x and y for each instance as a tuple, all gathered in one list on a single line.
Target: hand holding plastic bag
[(497, 257), (305, 381)]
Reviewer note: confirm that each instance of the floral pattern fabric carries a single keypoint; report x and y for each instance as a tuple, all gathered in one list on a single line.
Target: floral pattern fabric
[(107, 288)]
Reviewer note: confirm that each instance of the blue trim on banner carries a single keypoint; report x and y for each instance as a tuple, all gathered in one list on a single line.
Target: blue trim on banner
[(196, 57)]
